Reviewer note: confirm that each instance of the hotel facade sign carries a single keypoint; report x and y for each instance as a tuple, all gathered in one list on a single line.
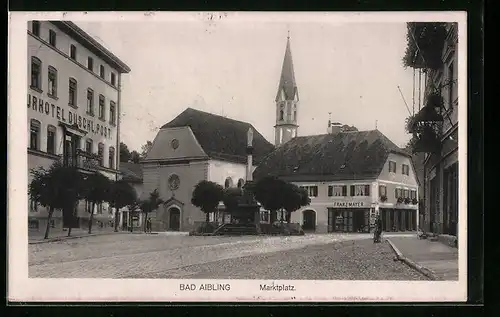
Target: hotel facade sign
[(86, 123), (349, 204)]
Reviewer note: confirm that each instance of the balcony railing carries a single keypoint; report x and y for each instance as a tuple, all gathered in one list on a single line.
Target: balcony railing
[(83, 160)]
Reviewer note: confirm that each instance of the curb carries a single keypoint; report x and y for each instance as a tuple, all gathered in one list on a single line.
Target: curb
[(423, 270), (72, 237)]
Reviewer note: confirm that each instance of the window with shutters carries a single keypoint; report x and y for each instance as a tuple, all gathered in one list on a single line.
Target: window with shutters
[(337, 190), (360, 190), (311, 190)]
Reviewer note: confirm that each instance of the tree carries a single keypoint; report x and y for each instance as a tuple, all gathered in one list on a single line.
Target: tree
[(231, 198), (135, 157), (268, 192), (121, 194), (58, 187), (124, 152), (145, 148), (294, 198), (206, 196), (151, 204), (96, 191)]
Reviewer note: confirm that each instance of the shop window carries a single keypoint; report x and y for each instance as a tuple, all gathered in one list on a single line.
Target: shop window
[(35, 135), (36, 73), (51, 139), (392, 167), (52, 80), (35, 28)]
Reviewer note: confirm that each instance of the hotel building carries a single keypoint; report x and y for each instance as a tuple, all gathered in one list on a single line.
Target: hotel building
[(73, 99)]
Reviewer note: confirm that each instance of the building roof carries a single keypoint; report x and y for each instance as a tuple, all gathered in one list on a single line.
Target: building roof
[(131, 172), (328, 157), (287, 79), (220, 137), (91, 44)]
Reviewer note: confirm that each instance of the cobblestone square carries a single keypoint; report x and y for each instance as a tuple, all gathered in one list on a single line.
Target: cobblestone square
[(348, 256)]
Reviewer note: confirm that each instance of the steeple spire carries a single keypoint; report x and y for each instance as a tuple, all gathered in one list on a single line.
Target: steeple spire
[(287, 84), (287, 101)]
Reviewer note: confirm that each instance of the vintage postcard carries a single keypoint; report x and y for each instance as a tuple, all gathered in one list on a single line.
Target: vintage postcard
[(237, 156)]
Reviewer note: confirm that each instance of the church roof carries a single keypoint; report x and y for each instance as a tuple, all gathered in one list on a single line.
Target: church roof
[(329, 157), (220, 137), (287, 79)]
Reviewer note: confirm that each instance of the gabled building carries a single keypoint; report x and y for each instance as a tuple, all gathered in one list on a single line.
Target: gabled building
[(350, 177), (196, 146), (74, 105)]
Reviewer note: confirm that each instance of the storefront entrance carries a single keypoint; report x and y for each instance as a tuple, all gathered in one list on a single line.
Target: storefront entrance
[(348, 220), (308, 220), (394, 220)]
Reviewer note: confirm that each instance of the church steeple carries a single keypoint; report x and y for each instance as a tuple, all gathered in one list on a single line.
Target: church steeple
[(287, 99)]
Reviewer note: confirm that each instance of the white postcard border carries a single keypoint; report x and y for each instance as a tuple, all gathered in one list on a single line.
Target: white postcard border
[(22, 288)]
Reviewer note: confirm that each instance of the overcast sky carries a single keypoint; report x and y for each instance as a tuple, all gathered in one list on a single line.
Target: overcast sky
[(233, 68)]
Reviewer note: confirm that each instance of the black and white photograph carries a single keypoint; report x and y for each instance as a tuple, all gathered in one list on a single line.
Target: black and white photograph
[(208, 156)]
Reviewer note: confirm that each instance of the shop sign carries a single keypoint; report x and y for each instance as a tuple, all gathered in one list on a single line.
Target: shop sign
[(348, 204)]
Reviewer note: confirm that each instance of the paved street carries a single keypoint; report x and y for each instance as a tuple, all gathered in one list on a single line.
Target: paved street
[(440, 259), (351, 256)]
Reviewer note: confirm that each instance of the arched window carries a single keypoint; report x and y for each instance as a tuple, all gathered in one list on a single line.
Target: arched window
[(294, 115), (241, 182), (228, 183), (35, 134), (72, 92), (36, 73), (111, 157), (51, 139), (52, 80), (282, 114), (100, 153)]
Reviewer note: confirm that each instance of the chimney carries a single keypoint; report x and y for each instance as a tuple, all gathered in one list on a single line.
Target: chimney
[(334, 127)]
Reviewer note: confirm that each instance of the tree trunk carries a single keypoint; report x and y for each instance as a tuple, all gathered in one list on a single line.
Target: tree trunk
[(117, 218), (47, 230), (207, 217), (132, 222), (91, 218), (145, 222), (288, 216), (273, 216)]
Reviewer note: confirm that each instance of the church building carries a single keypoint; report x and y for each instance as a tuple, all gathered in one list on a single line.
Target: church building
[(196, 146)]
